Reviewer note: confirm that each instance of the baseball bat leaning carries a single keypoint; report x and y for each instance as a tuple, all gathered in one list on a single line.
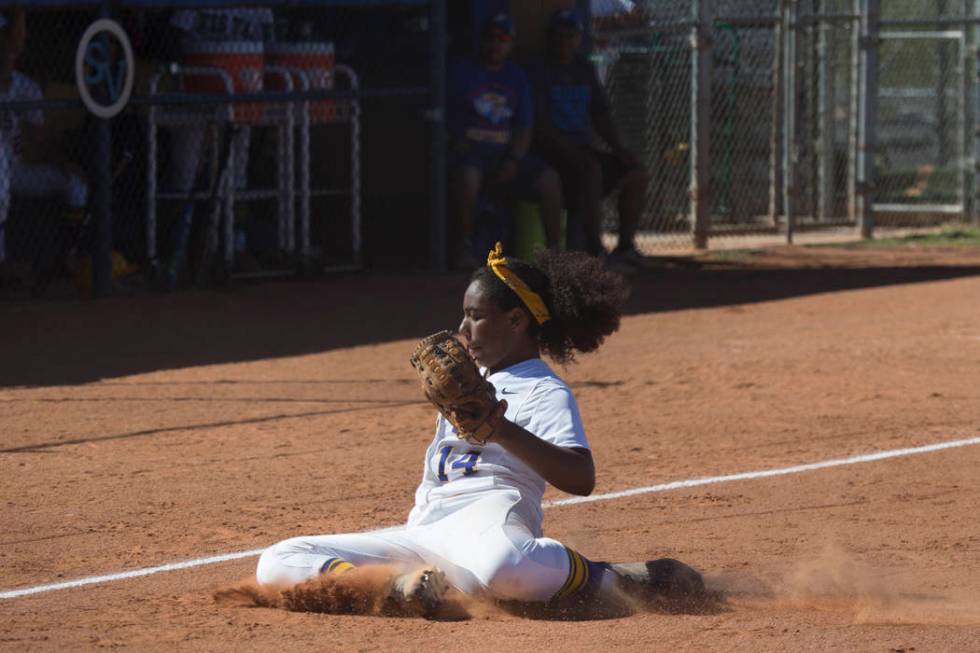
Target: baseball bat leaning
[(182, 230), (224, 176)]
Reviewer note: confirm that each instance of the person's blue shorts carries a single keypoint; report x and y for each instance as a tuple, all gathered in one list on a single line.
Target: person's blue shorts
[(529, 170)]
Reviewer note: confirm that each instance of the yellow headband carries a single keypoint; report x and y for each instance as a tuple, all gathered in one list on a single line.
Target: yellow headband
[(497, 262)]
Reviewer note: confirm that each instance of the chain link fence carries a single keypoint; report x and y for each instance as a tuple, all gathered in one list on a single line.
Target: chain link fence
[(242, 152), (793, 111)]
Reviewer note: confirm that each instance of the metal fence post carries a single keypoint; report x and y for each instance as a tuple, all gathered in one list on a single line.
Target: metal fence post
[(790, 96), (437, 139), (868, 104), (701, 74), (852, 114), (776, 128), (102, 196), (963, 123), (825, 123), (969, 74), (942, 65)]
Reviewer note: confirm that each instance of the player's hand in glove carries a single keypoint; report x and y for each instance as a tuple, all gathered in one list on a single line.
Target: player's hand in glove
[(452, 381)]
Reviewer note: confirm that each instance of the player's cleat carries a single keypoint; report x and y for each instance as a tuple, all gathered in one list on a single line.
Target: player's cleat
[(418, 593), (664, 578)]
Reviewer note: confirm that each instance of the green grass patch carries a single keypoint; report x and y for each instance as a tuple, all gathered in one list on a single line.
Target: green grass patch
[(730, 255), (958, 237)]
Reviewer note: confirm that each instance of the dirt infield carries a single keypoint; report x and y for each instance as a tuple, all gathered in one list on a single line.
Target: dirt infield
[(150, 430)]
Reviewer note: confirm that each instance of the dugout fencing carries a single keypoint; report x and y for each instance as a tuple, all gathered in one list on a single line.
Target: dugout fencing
[(242, 152), (774, 117)]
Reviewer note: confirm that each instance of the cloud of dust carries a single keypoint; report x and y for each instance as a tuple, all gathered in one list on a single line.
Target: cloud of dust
[(362, 590), (832, 580), (358, 591)]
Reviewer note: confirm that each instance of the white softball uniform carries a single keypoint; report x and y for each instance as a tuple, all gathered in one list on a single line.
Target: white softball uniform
[(477, 514)]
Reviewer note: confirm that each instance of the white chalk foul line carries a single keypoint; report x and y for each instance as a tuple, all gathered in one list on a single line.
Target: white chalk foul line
[(608, 496), (123, 575), (782, 471)]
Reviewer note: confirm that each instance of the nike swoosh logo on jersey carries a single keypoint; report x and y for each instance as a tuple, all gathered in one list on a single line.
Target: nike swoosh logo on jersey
[(505, 391)]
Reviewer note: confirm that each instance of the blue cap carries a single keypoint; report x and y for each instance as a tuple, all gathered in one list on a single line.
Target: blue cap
[(501, 22), (567, 18)]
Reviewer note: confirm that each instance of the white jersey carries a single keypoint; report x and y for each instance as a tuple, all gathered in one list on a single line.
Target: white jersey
[(22, 87), (457, 471), (218, 25)]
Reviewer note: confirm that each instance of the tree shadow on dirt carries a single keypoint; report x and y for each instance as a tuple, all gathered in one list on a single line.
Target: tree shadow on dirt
[(60, 343), (203, 426)]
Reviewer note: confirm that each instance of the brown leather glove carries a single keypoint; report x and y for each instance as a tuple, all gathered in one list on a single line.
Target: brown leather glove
[(452, 381)]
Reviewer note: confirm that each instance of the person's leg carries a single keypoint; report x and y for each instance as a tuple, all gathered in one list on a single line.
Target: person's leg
[(632, 196), (547, 189), (4, 209), (573, 200), (61, 254), (492, 548), (631, 182), (590, 180), (301, 558), (351, 573), (6, 159), (467, 181), (44, 180), (581, 180), (37, 180), (538, 182)]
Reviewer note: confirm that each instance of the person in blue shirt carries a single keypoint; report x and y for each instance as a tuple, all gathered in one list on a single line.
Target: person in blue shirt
[(573, 116), (490, 117)]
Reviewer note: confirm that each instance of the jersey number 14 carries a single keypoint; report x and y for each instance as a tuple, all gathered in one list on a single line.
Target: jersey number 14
[(465, 462)]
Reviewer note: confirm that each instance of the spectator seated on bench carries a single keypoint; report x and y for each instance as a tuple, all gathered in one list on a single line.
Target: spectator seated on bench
[(29, 165), (489, 119), (575, 134)]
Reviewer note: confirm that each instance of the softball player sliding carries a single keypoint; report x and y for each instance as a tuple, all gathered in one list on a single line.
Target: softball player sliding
[(477, 516)]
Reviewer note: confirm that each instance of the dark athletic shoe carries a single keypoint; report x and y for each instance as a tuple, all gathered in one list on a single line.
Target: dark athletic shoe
[(664, 578)]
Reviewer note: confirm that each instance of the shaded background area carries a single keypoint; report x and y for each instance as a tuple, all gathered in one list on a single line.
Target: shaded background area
[(77, 342)]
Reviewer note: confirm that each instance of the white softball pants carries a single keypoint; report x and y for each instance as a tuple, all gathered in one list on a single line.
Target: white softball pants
[(482, 548), (36, 180)]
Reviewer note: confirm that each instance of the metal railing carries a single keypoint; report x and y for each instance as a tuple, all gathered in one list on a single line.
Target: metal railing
[(289, 194)]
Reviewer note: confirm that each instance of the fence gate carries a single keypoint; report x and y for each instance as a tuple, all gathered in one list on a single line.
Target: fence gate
[(921, 127)]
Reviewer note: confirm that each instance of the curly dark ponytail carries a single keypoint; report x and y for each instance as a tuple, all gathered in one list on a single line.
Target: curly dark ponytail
[(584, 299)]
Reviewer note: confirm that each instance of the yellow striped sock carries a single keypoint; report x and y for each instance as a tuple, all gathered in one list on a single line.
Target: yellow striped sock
[(335, 566), (578, 575)]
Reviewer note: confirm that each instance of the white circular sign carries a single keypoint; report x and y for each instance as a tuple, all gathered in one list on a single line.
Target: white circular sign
[(94, 67)]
